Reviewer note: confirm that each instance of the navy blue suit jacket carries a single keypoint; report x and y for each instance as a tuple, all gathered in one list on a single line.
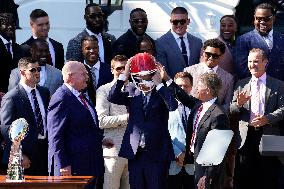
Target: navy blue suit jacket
[(169, 53), (15, 105), (154, 123), (74, 137), (253, 39)]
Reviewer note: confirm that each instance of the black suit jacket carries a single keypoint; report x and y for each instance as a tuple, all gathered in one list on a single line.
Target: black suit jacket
[(127, 44), (58, 49), (15, 104), (214, 118), (7, 63)]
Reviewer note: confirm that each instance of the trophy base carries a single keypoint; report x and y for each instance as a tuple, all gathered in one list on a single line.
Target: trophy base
[(9, 180)]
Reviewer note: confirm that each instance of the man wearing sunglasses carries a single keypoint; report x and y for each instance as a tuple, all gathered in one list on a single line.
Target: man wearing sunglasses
[(50, 77), (213, 50), (127, 43), (177, 48), (94, 26), (29, 101), (265, 38)]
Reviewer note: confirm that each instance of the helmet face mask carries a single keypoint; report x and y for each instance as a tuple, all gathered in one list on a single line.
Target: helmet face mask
[(142, 68)]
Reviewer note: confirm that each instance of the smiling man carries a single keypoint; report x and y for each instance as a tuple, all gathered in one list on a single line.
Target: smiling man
[(264, 37), (177, 48), (213, 50), (126, 44), (228, 29), (259, 102)]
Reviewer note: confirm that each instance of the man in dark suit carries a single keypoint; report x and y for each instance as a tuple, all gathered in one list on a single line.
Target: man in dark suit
[(40, 26), (127, 43), (50, 77), (205, 115), (99, 73), (146, 142), (94, 26), (263, 37), (75, 139), (177, 48), (10, 51), (29, 101), (259, 102)]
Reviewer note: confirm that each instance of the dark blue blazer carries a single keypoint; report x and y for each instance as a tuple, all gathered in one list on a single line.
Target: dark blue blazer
[(253, 39), (74, 137), (153, 123), (15, 105)]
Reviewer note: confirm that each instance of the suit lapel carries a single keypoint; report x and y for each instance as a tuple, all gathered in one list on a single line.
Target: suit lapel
[(174, 47), (269, 86), (206, 116), (26, 103)]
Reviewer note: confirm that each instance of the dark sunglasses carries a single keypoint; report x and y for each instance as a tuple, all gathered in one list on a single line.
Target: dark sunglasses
[(136, 20), (214, 56), (182, 22), (33, 70), (120, 68), (265, 19)]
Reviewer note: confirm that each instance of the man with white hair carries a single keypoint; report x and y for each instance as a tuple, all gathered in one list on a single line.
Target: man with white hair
[(75, 140)]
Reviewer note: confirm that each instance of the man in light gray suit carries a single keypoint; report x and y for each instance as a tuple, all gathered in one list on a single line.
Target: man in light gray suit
[(50, 77), (177, 48), (259, 102), (113, 119), (213, 50), (180, 174)]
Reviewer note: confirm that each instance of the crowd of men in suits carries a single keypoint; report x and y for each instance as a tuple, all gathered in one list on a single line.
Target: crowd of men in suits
[(134, 112)]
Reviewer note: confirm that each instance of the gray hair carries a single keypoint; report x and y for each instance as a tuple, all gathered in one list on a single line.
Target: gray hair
[(212, 81)]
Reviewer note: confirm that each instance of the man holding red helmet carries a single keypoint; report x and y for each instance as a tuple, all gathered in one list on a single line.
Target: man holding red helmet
[(146, 142)]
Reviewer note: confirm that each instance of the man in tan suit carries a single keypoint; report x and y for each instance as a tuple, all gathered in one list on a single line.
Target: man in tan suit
[(113, 119), (213, 50)]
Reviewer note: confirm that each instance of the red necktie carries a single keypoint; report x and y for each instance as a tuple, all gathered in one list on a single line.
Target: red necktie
[(83, 100), (192, 141)]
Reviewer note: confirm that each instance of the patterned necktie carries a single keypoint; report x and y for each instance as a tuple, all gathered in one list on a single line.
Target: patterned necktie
[(93, 73), (269, 42), (38, 116), (183, 51), (195, 125), (256, 100), (83, 100), (145, 101)]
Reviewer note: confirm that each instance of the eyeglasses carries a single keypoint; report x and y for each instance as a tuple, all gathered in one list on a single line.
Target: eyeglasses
[(120, 68), (33, 70), (265, 19), (136, 20), (182, 22), (214, 56)]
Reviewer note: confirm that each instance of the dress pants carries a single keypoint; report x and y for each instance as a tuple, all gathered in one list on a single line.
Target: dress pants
[(116, 173), (182, 180), (147, 174)]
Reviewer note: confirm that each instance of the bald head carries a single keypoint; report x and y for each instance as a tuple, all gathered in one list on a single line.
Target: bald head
[(75, 74)]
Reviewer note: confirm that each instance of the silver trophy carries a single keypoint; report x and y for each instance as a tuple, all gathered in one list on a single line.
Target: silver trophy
[(17, 132)]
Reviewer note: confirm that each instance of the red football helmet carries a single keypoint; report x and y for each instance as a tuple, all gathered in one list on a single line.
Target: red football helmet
[(142, 64)]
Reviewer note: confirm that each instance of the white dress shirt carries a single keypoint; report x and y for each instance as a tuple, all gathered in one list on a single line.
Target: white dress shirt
[(95, 69), (40, 102), (178, 40), (42, 76)]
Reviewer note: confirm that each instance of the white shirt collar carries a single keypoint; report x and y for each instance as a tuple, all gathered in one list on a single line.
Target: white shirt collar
[(74, 91), (5, 40), (91, 33), (207, 68), (96, 66), (261, 78), (26, 87), (176, 36)]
